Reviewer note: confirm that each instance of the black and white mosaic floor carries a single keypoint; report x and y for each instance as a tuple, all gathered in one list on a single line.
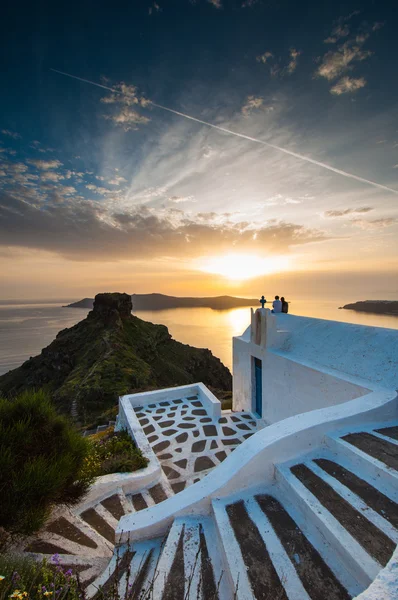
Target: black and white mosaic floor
[(188, 442)]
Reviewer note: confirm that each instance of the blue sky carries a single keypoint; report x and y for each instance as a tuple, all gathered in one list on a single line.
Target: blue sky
[(110, 185)]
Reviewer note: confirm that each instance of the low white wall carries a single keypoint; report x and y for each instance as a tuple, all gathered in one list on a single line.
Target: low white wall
[(209, 401), (290, 386)]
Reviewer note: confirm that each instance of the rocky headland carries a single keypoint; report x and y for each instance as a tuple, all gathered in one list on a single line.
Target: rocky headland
[(110, 353)]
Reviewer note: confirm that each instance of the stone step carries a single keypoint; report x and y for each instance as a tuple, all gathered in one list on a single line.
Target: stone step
[(372, 532), (368, 468), (101, 521), (138, 581), (304, 562), (110, 578), (251, 571), (352, 562), (381, 449), (151, 496), (189, 564)]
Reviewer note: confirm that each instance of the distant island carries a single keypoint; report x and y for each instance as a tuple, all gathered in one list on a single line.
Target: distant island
[(378, 307), (161, 301)]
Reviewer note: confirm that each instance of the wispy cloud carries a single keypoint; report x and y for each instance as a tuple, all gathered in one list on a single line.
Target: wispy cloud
[(374, 224), (264, 58), (216, 3), (11, 134), (253, 103), (336, 63), (348, 211), (117, 180), (45, 165), (154, 8), (125, 97), (277, 68), (341, 28), (348, 85)]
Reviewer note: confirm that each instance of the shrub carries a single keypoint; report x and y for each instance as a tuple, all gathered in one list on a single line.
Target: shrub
[(114, 453), (41, 460)]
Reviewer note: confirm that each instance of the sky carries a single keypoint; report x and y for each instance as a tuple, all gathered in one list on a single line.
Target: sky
[(283, 179)]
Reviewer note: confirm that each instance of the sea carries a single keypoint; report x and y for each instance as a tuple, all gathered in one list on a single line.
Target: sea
[(27, 327)]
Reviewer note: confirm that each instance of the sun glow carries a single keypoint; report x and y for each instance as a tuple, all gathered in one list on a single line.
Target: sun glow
[(239, 267)]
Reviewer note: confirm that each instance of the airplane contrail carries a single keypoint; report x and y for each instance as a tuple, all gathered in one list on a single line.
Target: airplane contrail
[(242, 135)]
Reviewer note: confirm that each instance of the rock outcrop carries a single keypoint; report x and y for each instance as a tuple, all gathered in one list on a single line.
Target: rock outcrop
[(111, 353)]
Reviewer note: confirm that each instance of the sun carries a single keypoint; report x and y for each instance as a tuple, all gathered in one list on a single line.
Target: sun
[(238, 267)]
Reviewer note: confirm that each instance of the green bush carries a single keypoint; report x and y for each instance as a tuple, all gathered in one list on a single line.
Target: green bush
[(41, 461), (115, 452)]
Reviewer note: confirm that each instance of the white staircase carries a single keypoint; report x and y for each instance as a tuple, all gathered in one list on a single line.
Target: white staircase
[(324, 528)]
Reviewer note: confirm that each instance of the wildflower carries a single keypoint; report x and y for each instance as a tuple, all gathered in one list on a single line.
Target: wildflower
[(2, 577), (55, 559), (68, 573), (47, 594)]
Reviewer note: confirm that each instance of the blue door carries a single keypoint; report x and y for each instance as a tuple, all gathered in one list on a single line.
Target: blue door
[(258, 386)]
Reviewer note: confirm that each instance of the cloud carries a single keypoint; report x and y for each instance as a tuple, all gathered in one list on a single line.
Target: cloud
[(45, 165), (264, 57), (8, 151), (375, 223), (338, 32), (181, 199), (63, 227), (155, 8), (336, 62), (51, 176), (11, 134), (292, 65), (348, 85), (124, 115), (348, 211), (276, 69), (216, 3), (254, 103), (117, 180)]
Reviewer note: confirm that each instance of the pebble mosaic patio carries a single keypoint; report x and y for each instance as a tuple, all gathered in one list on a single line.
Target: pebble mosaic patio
[(188, 442)]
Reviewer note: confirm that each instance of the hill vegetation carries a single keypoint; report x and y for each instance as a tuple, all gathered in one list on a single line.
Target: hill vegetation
[(108, 354)]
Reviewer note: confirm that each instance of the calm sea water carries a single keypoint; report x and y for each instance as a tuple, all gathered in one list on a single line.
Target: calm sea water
[(27, 328)]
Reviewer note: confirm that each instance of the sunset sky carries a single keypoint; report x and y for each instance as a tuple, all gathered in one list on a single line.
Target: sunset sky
[(103, 190)]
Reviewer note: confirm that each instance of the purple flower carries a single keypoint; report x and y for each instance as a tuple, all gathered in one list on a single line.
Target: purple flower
[(55, 559), (68, 573), (43, 588)]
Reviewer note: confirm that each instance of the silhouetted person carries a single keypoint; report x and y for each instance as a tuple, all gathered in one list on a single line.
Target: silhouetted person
[(285, 306), (277, 305)]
